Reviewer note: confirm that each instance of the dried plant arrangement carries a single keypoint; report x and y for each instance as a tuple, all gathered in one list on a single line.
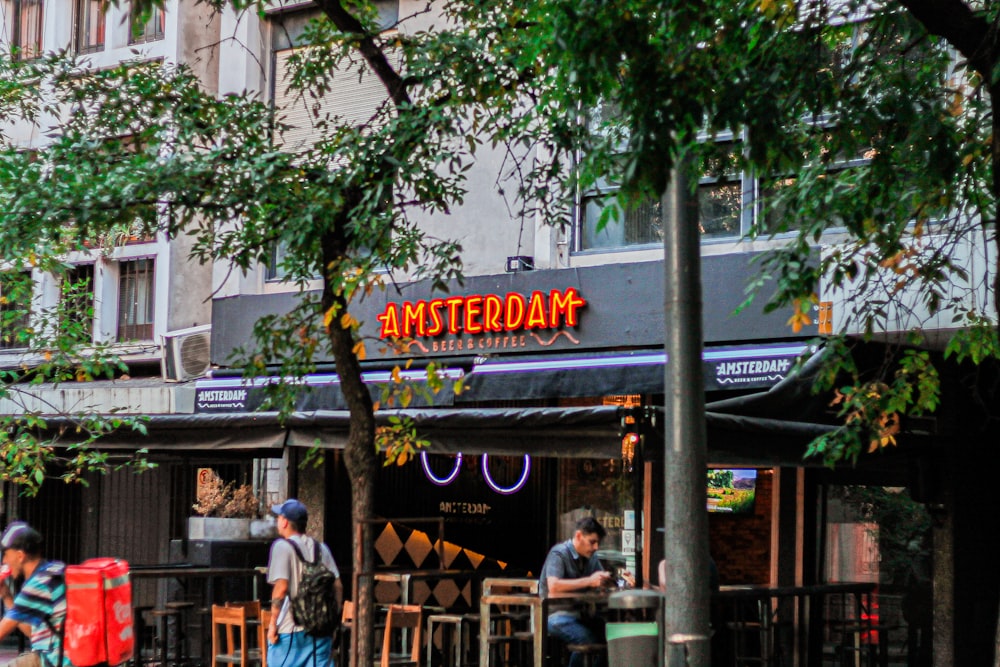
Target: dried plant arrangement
[(218, 499)]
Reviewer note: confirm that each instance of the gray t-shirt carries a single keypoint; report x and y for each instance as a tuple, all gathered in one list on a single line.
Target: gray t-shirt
[(564, 562), (283, 563)]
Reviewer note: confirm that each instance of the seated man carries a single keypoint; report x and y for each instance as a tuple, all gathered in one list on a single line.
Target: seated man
[(573, 566)]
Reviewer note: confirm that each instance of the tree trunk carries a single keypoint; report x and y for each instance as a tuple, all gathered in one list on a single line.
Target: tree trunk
[(359, 454)]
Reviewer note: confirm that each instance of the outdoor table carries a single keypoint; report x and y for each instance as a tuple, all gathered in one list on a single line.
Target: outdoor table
[(182, 571)]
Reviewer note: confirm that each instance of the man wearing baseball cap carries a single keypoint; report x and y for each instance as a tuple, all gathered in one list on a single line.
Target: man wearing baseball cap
[(288, 644), (39, 608)]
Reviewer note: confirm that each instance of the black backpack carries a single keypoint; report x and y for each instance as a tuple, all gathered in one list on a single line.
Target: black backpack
[(314, 605)]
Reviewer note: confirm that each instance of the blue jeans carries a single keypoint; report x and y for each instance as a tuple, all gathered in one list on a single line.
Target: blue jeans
[(574, 630), (297, 649)]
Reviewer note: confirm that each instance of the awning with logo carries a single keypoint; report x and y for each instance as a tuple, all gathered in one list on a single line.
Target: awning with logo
[(531, 377)]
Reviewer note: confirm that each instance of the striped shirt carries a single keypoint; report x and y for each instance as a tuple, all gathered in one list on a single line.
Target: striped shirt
[(41, 598)]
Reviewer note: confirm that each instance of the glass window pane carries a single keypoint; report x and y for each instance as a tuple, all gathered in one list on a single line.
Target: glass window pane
[(77, 312), (775, 217), (151, 30), (26, 33), (719, 207), (637, 225), (15, 297), (135, 300), (89, 26)]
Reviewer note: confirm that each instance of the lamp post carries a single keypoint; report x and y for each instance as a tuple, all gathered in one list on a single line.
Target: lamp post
[(686, 619)]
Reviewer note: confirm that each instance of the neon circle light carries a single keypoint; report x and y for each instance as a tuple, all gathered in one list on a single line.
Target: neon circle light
[(518, 485), (441, 481)]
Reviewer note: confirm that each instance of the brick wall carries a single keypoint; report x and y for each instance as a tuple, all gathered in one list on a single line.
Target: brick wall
[(741, 543)]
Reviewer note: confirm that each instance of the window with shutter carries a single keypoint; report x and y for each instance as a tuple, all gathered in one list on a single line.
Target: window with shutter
[(354, 97)]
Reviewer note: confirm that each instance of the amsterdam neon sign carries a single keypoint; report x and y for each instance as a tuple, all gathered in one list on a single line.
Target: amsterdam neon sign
[(482, 314)]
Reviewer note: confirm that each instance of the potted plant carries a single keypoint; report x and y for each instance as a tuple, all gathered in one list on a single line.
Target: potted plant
[(225, 511)]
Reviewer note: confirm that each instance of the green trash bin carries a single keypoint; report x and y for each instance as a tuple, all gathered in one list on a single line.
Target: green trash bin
[(633, 644)]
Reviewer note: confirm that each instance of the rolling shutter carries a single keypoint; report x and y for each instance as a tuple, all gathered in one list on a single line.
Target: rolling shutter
[(353, 101)]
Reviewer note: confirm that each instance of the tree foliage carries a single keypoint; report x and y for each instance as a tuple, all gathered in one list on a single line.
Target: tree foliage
[(875, 146)]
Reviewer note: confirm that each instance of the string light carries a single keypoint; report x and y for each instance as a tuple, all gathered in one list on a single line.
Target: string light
[(441, 481), (518, 485)]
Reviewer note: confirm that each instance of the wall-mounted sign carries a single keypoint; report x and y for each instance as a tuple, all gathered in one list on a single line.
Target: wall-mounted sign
[(230, 399), (497, 321)]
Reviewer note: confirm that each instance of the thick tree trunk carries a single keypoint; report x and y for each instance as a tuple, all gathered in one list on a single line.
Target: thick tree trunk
[(359, 455)]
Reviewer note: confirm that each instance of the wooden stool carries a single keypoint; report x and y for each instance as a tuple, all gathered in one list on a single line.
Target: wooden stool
[(471, 649)]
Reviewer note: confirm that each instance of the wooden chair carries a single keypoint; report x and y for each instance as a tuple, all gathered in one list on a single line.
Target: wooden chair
[(231, 621), (344, 640), (403, 628), (265, 621), (252, 606), (255, 614)]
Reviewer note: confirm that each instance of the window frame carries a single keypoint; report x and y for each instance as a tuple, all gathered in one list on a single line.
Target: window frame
[(84, 304), (24, 321), (136, 330), (84, 21), (17, 31), (153, 30)]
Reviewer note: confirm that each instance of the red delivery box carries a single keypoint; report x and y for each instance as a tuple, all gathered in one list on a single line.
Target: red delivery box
[(98, 613)]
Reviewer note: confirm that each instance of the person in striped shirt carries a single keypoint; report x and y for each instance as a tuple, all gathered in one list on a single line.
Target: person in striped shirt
[(39, 608)]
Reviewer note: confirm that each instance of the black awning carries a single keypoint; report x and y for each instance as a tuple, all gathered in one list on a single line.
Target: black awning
[(559, 432), (321, 391), (247, 432), (637, 372), (577, 432)]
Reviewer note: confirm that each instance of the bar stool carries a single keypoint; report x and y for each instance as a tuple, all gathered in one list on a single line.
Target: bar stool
[(173, 613), (144, 635), (452, 637), (590, 652)]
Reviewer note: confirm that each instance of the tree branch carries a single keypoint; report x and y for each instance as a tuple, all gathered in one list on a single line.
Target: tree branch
[(966, 30), (372, 53)]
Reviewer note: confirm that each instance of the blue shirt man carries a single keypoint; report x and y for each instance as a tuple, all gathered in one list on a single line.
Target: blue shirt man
[(39, 609), (573, 566)]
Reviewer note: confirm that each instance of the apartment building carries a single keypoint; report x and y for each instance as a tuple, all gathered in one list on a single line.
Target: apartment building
[(556, 332)]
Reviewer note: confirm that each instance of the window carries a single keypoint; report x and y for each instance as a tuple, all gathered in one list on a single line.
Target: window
[(25, 21), (15, 295), (89, 26), (77, 303), (275, 270), (135, 300), (720, 207), (149, 31), (638, 224)]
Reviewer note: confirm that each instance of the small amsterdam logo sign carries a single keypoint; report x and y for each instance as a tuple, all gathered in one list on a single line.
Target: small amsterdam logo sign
[(752, 371), (221, 400), (484, 321)]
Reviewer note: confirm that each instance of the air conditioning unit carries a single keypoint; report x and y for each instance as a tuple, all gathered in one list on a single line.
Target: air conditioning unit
[(186, 353)]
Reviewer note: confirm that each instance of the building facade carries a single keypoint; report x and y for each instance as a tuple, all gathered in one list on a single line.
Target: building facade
[(556, 335)]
